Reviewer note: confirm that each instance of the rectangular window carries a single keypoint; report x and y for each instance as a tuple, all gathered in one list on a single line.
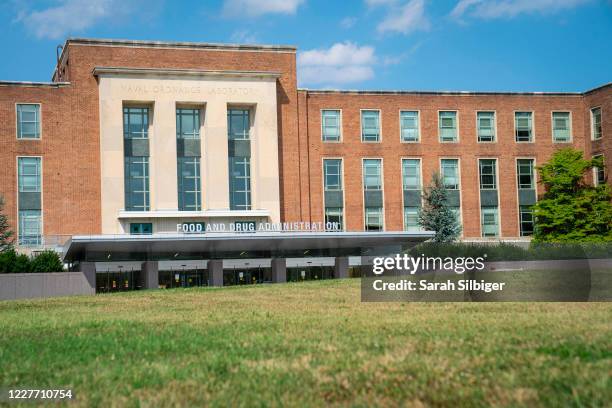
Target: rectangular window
[(599, 174), (409, 124), (28, 121), (332, 169), (527, 220), (189, 184), (334, 215), (141, 228), (525, 173), (370, 126), (411, 219), (330, 125), (240, 183), (450, 173), (488, 179), (29, 174), (411, 172), (448, 126), (187, 123), (29, 183), (486, 126), (596, 123), (489, 221), (374, 219), (561, 126), (137, 183), (238, 124), (372, 177), (135, 123), (523, 125)]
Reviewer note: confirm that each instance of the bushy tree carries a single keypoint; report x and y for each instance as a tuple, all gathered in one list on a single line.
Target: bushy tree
[(572, 210), (6, 235), (47, 261), (436, 215)]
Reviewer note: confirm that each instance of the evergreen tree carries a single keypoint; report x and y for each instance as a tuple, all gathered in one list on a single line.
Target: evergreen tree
[(436, 215), (572, 210), (6, 235)]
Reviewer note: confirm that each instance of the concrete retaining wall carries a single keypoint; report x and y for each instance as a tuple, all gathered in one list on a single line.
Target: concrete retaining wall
[(41, 285)]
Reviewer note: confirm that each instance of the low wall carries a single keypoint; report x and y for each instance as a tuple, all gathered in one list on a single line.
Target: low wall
[(41, 285)]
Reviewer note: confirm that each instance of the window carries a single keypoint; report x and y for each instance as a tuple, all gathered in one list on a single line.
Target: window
[(409, 125), (135, 123), (596, 123), (330, 125), (450, 173), (370, 126), (561, 126), (411, 219), (332, 173), (525, 175), (488, 179), (189, 184), (527, 220), (238, 124), (30, 227), (137, 184), (334, 215), (29, 174), (411, 172), (28, 121), (489, 221), (523, 126), (141, 228), (374, 219), (486, 126), (240, 183), (372, 179), (187, 123), (599, 174), (448, 126)]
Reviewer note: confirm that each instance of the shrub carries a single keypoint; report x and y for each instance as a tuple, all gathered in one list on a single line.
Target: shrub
[(7, 260), (47, 261)]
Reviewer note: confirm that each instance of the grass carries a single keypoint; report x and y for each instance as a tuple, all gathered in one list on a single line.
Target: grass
[(306, 344)]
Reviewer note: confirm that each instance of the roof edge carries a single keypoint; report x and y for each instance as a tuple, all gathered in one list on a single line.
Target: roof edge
[(180, 44), (441, 93), (35, 84), (98, 71)]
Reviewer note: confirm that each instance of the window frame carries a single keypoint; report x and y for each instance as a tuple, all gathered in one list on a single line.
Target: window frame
[(200, 116), (596, 171), (418, 112), (382, 189), (458, 172), (42, 197), (496, 175), (494, 112), (534, 179), (249, 191), (420, 170), (40, 120), (457, 137), (569, 123), (592, 116), (251, 113), (342, 189), (149, 109), (497, 221), (340, 132), (533, 121), (380, 133)]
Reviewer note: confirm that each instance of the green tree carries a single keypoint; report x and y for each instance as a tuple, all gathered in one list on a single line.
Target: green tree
[(6, 234), (572, 210), (436, 215), (47, 261)]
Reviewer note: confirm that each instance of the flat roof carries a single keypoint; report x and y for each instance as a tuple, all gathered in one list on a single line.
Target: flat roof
[(125, 247), (34, 84)]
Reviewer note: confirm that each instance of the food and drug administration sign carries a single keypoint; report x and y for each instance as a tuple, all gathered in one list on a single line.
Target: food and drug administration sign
[(251, 226)]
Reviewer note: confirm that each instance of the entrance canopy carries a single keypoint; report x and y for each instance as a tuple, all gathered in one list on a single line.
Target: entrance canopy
[(101, 248)]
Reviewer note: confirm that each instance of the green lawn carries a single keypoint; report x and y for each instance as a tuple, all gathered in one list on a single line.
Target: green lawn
[(306, 344)]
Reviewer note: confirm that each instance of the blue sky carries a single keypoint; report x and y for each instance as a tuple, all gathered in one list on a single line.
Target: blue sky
[(479, 45)]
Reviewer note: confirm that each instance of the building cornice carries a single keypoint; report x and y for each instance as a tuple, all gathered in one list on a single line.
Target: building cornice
[(35, 84), (437, 93), (122, 71)]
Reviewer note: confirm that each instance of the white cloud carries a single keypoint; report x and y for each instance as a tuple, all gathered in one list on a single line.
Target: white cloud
[(71, 16), (492, 9), (243, 37), (376, 3), (256, 8), (348, 22), (404, 18), (341, 63)]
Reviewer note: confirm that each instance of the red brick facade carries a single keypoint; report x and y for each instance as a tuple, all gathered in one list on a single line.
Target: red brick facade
[(70, 135)]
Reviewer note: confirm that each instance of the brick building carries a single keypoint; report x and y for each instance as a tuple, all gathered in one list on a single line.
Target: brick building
[(138, 137)]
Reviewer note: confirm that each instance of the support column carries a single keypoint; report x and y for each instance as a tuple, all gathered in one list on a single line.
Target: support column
[(149, 272), (215, 272), (89, 270), (341, 267), (279, 270)]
